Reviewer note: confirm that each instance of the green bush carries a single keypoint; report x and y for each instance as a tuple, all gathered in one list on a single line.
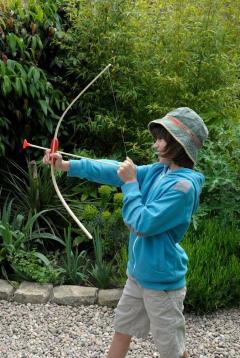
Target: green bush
[(73, 264), (105, 213), (213, 279), (33, 266), (121, 264), (19, 238), (32, 194), (141, 40), (33, 100), (102, 271), (219, 162)]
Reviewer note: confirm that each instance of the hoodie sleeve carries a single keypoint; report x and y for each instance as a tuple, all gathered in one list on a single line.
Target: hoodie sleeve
[(102, 172), (142, 172), (173, 208)]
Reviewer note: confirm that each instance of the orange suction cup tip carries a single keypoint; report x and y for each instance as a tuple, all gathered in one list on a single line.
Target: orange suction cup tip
[(25, 144)]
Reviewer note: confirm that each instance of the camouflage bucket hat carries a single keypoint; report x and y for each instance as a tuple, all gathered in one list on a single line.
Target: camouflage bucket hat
[(187, 127)]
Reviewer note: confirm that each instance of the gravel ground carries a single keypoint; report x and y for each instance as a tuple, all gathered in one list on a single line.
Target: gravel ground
[(53, 331)]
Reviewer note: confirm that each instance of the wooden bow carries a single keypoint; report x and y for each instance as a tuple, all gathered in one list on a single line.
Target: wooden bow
[(54, 148)]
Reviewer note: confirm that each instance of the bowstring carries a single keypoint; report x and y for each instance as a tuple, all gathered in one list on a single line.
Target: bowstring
[(117, 112)]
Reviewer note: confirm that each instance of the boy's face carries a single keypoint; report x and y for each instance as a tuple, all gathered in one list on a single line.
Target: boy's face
[(160, 146)]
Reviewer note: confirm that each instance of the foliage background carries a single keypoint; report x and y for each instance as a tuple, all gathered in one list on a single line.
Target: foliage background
[(164, 54)]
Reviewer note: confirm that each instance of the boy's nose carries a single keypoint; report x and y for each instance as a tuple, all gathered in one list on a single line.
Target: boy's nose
[(156, 144)]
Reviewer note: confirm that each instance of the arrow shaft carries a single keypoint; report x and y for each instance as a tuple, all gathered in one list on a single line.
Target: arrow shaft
[(74, 155)]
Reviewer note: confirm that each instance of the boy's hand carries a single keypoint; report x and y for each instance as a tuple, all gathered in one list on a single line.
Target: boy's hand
[(127, 171), (57, 160)]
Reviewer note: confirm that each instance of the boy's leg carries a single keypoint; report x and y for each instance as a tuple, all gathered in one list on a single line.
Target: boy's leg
[(130, 319), (119, 346), (167, 323)]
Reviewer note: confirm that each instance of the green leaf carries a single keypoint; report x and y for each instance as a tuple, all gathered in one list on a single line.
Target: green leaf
[(20, 43), (3, 254), (32, 90), (44, 235), (21, 71), (30, 72), (49, 125), (44, 106), (39, 13), (34, 43), (2, 68), (42, 257), (39, 43), (57, 103), (2, 23), (11, 41), (84, 197), (24, 86), (11, 66), (18, 86), (36, 75), (79, 240), (6, 85)]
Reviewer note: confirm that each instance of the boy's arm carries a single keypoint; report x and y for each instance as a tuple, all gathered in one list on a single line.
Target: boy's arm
[(102, 172), (170, 210)]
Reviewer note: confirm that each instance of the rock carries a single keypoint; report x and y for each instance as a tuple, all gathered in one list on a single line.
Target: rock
[(109, 298), (74, 295), (31, 292), (6, 290)]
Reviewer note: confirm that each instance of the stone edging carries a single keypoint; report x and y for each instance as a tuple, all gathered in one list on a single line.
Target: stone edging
[(31, 292)]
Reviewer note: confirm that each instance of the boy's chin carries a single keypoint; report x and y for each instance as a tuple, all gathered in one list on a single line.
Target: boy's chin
[(163, 160)]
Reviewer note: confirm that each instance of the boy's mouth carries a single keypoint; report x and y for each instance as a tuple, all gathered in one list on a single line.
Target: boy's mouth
[(156, 152)]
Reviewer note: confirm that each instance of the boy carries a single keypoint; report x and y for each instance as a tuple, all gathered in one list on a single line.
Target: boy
[(159, 201)]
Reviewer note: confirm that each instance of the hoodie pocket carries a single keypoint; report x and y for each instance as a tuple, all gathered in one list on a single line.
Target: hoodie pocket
[(149, 255)]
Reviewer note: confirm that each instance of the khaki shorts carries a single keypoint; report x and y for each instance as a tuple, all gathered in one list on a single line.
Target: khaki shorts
[(140, 310)]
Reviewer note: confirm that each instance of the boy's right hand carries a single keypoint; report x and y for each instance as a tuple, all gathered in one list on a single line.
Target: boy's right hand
[(56, 159)]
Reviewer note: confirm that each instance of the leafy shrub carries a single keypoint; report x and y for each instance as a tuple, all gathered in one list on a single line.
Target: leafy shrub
[(32, 194), (19, 237), (101, 272), (33, 101), (219, 162), (74, 265), (148, 79), (106, 215), (121, 264), (213, 279), (33, 266)]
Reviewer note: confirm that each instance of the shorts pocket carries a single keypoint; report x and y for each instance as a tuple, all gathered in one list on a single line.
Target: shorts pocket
[(178, 297)]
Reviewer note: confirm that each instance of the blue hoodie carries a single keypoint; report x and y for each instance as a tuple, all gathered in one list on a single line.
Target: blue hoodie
[(157, 209)]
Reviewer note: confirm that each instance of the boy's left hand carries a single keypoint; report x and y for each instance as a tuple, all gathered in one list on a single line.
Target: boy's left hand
[(127, 171)]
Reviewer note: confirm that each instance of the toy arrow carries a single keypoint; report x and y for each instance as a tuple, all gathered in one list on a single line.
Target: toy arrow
[(26, 145)]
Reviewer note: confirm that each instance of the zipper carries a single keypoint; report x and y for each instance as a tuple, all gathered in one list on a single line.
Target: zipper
[(158, 180), (134, 254)]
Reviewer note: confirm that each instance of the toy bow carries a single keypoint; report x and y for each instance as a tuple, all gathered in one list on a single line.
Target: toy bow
[(54, 148)]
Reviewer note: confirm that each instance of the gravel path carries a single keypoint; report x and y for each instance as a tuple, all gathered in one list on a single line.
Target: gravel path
[(53, 331)]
